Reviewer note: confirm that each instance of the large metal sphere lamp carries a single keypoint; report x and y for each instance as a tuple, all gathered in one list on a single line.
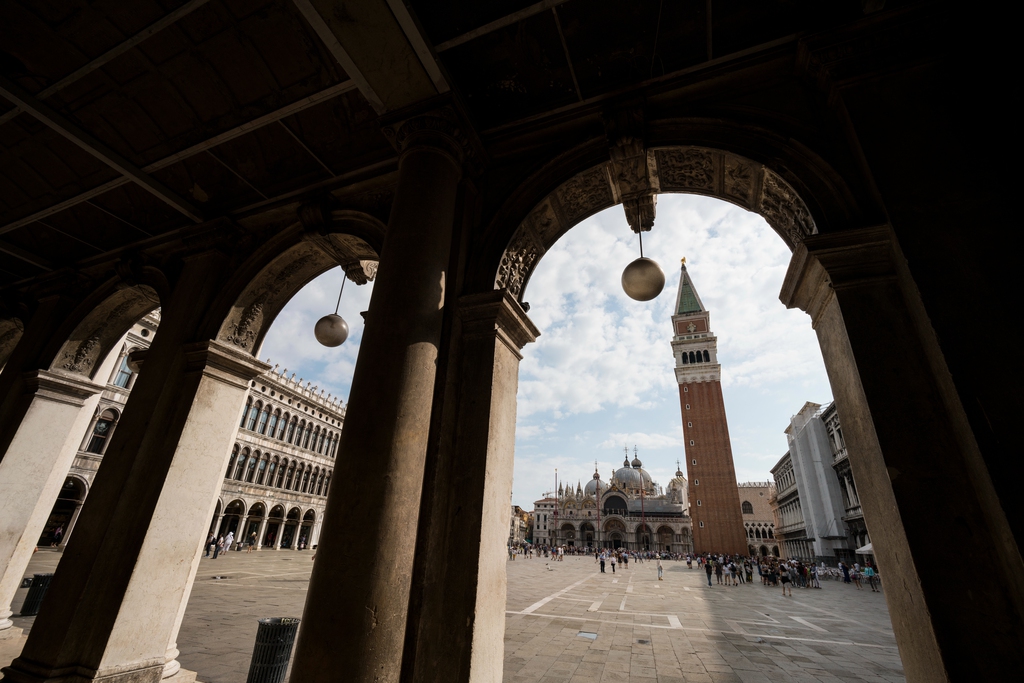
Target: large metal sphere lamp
[(643, 279), (332, 330)]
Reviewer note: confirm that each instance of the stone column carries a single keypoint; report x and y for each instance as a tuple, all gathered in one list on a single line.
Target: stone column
[(115, 600), (459, 622), (262, 531), (911, 448), (355, 614), (35, 466), (216, 525), (71, 525)]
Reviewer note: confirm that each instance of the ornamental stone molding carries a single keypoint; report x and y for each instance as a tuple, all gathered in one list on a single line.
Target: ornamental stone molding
[(442, 128), (633, 180), (103, 327)]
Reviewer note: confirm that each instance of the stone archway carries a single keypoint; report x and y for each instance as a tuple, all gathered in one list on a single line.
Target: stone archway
[(635, 182)]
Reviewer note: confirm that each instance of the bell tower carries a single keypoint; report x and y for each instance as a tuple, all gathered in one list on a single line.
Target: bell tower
[(714, 498)]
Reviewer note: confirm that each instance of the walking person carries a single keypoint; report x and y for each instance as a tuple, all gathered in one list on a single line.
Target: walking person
[(228, 541), (719, 570), (856, 578), (784, 577), (218, 547), (869, 572), (659, 570), (602, 557), (211, 543), (613, 563), (252, 542), (708, 570), (57, 535)]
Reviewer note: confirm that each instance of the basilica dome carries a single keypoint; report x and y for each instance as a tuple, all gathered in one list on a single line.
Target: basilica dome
[(678, 481), (593, 485), (632, 476)]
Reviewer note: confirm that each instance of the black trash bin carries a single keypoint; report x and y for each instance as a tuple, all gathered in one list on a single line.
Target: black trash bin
[(40, 582), (274, 640)]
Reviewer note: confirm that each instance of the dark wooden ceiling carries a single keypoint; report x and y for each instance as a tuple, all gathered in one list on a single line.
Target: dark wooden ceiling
[(139, 118)]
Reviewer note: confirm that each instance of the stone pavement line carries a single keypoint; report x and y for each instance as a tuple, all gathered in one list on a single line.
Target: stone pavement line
[(551, 597)]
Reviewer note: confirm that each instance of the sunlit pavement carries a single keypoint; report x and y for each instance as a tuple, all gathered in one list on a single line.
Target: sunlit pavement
[(641, 630)]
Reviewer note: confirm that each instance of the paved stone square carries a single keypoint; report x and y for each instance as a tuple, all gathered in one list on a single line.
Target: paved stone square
[(644, 631)]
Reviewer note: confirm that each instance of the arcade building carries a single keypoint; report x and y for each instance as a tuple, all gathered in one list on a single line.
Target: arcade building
[(630, 511)]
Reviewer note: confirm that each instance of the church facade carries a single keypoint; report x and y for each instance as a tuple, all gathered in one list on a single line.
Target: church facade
[(630, 511), (715, 506)]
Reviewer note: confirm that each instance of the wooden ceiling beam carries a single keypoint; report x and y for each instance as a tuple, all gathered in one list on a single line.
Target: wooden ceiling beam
[(110, 54), (238, 131), (64, 127)]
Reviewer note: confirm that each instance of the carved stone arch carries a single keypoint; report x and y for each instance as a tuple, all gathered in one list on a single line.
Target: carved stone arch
[(678, 169), (101, 329), (11, 330), (330, 238)]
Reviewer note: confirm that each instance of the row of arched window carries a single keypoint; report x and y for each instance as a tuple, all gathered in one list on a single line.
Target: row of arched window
[(758, 532), (290, 429), (270, 470), (696, 357)]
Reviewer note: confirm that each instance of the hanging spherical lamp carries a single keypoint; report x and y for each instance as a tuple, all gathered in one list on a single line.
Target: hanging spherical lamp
[(332, 330), (643, 279)]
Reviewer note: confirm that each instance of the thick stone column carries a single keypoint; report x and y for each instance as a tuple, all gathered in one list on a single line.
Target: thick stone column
[(111, 610), (914, 456), (355, 614), (35, 466), (262, 531), (459, 624)]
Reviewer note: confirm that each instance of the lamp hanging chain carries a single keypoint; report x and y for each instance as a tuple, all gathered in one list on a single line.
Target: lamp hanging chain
[(343, 278), (640, 229), (641, 236)]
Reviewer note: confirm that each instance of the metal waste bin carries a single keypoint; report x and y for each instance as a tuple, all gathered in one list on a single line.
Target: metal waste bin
[(274, 640), (40, 582)]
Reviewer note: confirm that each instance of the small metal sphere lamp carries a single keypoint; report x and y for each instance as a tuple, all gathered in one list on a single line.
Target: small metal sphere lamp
[(332, 330), (643, 279)]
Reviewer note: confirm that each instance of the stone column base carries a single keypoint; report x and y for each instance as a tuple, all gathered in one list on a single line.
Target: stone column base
[(183, 676)]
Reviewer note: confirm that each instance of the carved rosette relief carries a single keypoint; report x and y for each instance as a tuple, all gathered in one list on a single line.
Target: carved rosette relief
[(102, 328), (268, 294), (686, 168)]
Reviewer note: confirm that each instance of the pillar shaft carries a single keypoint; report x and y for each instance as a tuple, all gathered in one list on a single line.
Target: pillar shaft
[(355, 613), (34, 468), (459, 621), (111, 609), (911, 450)]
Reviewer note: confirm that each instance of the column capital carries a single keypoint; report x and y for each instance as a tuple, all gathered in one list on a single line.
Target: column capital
[(824, 264), (59, 386), (497, 313), (441, 128), (223, 362)]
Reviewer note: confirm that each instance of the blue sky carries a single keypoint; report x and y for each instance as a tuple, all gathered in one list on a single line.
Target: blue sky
[(600, 377)]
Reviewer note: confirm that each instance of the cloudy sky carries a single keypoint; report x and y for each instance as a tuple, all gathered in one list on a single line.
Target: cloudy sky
[(600, 377)]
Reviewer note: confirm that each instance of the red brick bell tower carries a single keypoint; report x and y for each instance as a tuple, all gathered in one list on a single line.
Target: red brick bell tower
[(714, 498)]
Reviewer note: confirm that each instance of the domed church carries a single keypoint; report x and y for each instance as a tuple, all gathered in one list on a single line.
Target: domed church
[(629, 511)]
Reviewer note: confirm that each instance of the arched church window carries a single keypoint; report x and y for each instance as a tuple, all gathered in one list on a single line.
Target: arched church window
[(323, 438), (124, 374), (284, 427), (692, 358), (272, 427), (271, 470), (707, 357), (253, 413), (250, 471), (305, 481), (281, 472), (686, 359), (748, 509), (771, 534), (291, 475), (327, 483), (240, 465), (245, 413), (101, 432), (309, 435), (264, 416), (231, 462), (320, 485), (261, 474)]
